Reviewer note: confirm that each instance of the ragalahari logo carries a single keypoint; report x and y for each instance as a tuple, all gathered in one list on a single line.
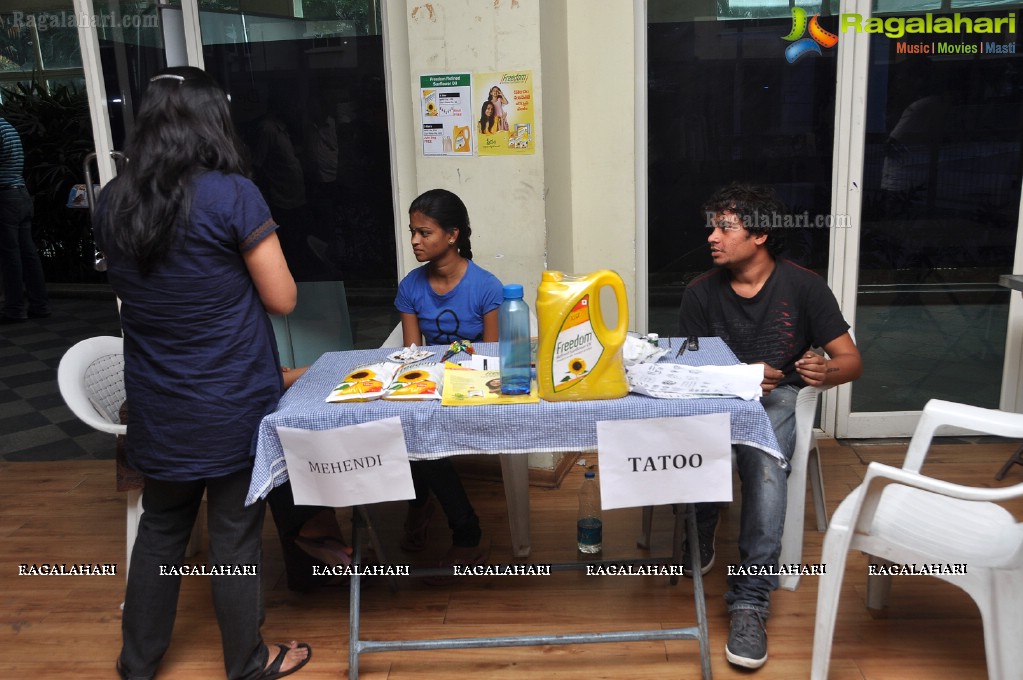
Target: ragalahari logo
[(818, 36)]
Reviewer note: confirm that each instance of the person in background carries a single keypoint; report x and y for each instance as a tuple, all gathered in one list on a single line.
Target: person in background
[(773, 312), (19, 260), (193, 256), (448, 299)]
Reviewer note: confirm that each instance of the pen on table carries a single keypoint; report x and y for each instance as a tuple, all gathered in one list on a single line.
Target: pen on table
[(681, 349)]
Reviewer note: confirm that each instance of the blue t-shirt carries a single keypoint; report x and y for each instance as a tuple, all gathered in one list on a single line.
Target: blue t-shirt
[(456, 315), (201, 362)]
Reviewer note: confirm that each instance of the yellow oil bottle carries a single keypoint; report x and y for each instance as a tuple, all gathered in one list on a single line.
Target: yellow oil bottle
[(578, 357)]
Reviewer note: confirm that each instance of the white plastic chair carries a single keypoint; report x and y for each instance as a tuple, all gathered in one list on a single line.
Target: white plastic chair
[(903, 517), (395, 339), (805, 462), (91, 381)]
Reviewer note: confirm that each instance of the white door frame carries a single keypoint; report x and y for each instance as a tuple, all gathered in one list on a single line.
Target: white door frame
[(96, 90), (846, 202), (843, 267)]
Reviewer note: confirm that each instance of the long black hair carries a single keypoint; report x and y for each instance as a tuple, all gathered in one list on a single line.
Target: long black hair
[(488, 124), (447, 210), (183, 128)]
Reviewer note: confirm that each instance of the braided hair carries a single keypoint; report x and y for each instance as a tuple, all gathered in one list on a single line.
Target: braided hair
[(447, 210)]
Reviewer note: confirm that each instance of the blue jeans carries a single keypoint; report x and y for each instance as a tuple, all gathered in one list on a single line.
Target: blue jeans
[(151, 600), (19, 259), (764, 492)]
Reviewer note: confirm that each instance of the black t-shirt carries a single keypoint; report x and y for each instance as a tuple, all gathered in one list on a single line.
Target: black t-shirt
[(795, 310)]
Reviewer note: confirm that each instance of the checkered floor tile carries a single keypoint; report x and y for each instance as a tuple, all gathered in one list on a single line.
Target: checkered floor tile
[(35, 425)]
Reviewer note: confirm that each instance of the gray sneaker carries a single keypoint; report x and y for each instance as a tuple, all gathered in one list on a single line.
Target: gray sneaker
[(705, 531), (747, 639)]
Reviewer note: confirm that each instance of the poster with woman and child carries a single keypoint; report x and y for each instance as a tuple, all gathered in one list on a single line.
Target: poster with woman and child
[(504, 125)]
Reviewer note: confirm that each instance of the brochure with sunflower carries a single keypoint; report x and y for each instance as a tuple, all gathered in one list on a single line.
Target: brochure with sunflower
[(389, 380), (365, 383), (420, 382), (472, 387)]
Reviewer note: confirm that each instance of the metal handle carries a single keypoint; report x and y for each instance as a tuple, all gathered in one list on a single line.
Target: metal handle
[(100, 260)]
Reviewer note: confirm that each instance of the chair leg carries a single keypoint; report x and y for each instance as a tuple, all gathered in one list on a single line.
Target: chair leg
[(1014, 459), (816, 476), (999, 611), (643, 541), (792, 533), (829, 589), (515, 475)]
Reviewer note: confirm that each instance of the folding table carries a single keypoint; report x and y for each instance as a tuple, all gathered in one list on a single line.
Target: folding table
[(512, 430)]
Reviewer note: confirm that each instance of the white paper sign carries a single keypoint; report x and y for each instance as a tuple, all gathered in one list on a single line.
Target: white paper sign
[(658, 461), (345, 466)]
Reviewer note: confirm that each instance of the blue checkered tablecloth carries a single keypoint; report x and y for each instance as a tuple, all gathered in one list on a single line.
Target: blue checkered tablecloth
[(435, 431)]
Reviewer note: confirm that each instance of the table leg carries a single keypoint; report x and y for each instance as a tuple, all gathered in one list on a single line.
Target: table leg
[(354, 597), (700, 601), (515, 473)]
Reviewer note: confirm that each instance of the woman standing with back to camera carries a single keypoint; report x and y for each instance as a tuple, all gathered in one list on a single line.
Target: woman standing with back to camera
[(193, 255)]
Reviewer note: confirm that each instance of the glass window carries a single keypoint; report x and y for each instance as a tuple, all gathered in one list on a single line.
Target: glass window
[(17, 42), (39, 44), (307, 95), (58, 42), (726, 105)]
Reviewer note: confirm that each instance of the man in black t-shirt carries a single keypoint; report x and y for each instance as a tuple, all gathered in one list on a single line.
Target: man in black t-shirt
[(773, 312)]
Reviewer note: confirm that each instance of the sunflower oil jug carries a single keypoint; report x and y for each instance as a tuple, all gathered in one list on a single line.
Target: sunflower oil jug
[(578, 357)]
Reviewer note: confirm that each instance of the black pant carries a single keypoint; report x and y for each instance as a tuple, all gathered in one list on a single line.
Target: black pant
[(151, 600), (441, 477)]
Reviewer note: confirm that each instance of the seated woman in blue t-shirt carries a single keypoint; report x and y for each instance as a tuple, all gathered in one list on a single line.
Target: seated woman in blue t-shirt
[(449, 299)]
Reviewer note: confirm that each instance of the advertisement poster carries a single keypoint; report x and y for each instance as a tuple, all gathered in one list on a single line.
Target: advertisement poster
[(447, 114), (503, 107)]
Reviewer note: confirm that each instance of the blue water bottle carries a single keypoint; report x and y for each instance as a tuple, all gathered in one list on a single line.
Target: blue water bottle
[(513, 334)]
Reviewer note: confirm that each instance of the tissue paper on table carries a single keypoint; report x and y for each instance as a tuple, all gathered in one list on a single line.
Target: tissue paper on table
[(675, 381), (640, 351)]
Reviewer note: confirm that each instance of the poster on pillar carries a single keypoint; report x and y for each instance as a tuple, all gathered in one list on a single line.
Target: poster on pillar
[(504, 102), (660, 461), (447, 114)]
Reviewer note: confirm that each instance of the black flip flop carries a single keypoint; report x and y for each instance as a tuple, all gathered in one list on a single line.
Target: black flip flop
[(273, 671)]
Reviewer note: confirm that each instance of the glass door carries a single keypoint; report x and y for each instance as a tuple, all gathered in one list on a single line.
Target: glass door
[(940, 211)]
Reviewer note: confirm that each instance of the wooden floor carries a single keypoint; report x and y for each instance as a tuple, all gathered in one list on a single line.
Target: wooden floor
[(69, 627)]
